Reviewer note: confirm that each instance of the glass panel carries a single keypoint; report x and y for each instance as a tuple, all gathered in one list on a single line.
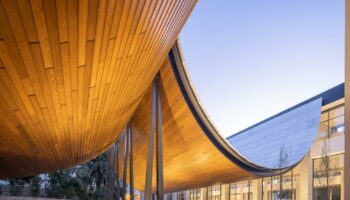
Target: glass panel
[(320, 193), (195, 194), (180, 196), (335, 192), (266, 188), (288, 186), (336, 126), (328, 177), (214, 192), (233, 191), (246, 190)]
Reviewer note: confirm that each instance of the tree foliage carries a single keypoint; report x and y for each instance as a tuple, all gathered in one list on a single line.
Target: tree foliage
[(92, 180), (328, 168), (18, 184), (282, 162)]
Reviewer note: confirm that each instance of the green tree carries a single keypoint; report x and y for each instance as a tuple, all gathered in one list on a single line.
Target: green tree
[(92, 180), (16, 186), (35, 184), (60, 184)]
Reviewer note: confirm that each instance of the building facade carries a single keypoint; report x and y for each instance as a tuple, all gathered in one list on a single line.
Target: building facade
[(318, 175)]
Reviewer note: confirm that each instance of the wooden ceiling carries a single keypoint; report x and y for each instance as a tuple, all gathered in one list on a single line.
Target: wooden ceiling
[(72, 74), (190, 158)]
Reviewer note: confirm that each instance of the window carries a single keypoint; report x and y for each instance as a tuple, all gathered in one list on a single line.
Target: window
[(332, 123), (235, 191), (241, 191), (280, 187), (180, 196), (327, 177), (214, 192), (195, 194)]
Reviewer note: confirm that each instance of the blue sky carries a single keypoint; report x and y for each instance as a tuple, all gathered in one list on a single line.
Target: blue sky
[(250, 59)]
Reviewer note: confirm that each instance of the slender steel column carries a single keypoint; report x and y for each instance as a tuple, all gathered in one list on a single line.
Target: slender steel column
[(347, 103), (160, 185), (148, 184), (117, 169), (131, 170), (126, 152)]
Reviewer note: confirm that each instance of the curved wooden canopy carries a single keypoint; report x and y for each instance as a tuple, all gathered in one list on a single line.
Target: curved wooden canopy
[(72, 74), (190, 158), (194, 153)]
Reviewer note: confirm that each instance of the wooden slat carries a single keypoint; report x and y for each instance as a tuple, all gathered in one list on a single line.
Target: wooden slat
[(72, 73)]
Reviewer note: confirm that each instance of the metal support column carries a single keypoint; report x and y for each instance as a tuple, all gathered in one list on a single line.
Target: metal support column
[(117, 170), (347, 103), (126, 152), (148, 184), (160, 185), (131, 170), (156, 118)]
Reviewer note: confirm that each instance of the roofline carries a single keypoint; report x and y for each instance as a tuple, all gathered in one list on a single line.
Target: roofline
[(331, 95), (223, 146)]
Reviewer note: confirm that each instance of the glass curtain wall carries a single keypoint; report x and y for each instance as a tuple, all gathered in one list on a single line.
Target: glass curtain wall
[(328, 177), (180, 195), (247, 191), (241, 191), (195, 194), (275, 189), (328, 169), (235, 191), (332, 123), (214, 192)]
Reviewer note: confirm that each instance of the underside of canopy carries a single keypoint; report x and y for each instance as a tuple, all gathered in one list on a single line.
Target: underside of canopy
[(194, 153), (74, 74)]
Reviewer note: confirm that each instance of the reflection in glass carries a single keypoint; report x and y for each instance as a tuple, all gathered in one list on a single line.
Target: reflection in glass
[(214, 192), (195, 194), (327, 177)]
